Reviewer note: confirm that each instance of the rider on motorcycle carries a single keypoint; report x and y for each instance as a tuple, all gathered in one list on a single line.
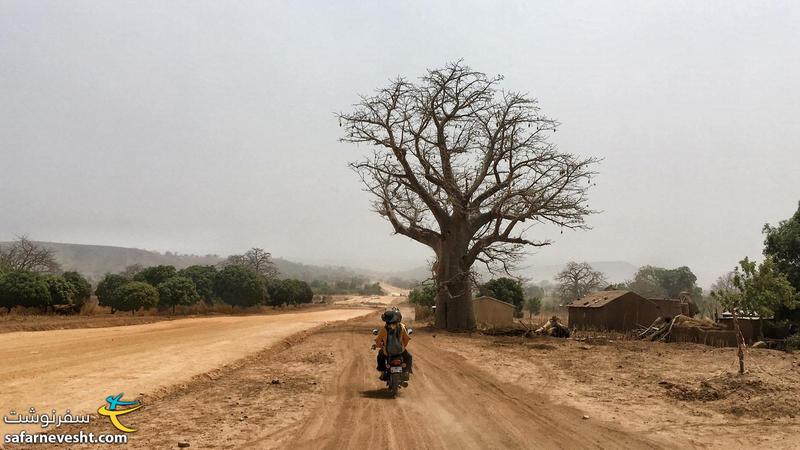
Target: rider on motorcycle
[(394, 331)]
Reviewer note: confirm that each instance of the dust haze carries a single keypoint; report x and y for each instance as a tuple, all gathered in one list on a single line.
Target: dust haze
[(205, 127)]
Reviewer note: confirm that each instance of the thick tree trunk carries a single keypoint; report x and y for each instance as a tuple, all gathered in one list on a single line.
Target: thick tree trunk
[(454, 291)]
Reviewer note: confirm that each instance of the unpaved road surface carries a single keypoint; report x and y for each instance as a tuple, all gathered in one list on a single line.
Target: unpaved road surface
[(320, 390), (450, 403), (76, 369)]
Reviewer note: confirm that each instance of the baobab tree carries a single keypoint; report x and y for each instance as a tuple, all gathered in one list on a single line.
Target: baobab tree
[(257, 260), (579, 279), (465, 168)]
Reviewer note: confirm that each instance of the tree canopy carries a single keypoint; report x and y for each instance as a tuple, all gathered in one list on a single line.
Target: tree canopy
[(61, 290), (23, 288), (177, 291), (505, 289), (579, 279), (465, 168), (238, 286), (24, 254), (81, 287), (256, 260), (107, 290), (658, 282), (758, 289), (289, 292), (136, 295), (533, 305), (203, 278), (155, 275), (424, 295), (782, 245)]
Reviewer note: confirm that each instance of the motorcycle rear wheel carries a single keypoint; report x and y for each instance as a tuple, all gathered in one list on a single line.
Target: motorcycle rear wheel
[(394, 384)]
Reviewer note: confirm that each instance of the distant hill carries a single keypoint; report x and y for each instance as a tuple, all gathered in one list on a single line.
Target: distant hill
[(94, 261)]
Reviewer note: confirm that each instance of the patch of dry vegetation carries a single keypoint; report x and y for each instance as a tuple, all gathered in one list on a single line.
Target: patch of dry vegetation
[(94, 316), (651, 386)]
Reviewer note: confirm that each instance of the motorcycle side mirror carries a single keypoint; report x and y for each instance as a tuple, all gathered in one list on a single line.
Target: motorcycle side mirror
[(375, 331), (410, 331)]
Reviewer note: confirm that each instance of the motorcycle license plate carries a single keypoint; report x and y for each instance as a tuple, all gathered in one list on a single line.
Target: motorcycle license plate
[(396, 369)]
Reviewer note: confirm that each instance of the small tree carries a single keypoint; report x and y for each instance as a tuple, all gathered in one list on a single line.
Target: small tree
[(24, 254), (107, 291), (23, 288), (156, 275), (505, 289), (757, 290), (81, 287), (579, 279), (765, 290), (658, 282), (782, 245), (424, 295), (177, 291), (301, 291), (533, 305), (136, 295), (61, 291), (533, 290), (372, 289), (203, 278), (279, 293), (238, 286), (257, 260)]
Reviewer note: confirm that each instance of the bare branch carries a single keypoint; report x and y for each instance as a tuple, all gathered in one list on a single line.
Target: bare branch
[(458, 163)]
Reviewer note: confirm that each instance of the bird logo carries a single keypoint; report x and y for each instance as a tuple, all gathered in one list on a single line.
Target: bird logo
[(113, 413)]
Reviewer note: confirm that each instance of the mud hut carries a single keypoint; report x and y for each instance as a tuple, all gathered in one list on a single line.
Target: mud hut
[(750, 326), (492, 313), (619, 310)]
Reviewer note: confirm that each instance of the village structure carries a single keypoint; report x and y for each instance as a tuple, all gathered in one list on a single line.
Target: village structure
[(666, 319), (491, 312)]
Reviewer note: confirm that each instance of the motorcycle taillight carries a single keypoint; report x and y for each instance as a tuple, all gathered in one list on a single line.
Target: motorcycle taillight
[(396, 362)]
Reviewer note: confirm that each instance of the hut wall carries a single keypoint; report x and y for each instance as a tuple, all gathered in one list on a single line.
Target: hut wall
[(489, 313)]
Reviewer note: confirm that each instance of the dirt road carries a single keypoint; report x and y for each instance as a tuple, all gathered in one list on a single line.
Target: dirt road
[(76, 369), (450, 403), (320, 390)]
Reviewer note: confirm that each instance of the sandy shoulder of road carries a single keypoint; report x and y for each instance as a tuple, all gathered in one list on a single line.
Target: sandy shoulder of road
[(76, 369)]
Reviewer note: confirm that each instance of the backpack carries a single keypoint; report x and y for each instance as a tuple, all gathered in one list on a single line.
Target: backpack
[(394, 346)]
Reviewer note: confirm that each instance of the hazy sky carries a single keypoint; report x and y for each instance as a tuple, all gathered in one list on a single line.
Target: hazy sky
[(208, 127)]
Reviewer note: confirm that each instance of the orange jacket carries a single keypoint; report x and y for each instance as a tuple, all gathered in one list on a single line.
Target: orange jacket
[(380, 339)]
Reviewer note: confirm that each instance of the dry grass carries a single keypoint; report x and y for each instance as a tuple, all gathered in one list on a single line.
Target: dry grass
[(17, 322)]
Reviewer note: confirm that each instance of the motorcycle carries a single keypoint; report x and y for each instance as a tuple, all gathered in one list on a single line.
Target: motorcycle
[(395, 372)]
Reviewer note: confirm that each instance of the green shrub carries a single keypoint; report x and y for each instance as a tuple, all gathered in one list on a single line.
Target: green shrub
[(177, 291), (136, 295), (107, 290), (23, 288), (424, 295), (238, 286), (81, 287)]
